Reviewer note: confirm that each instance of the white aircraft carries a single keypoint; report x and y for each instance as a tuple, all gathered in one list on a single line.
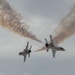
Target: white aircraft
[(26, 51), (53, 46)]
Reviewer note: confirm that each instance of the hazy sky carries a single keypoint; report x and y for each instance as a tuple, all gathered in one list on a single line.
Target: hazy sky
[(42, 17)]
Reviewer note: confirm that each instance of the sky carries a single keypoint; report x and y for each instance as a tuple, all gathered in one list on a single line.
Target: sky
[(42, 17)]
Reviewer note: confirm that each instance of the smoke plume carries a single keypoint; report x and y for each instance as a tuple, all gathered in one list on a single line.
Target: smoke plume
[(65, 29), (13, 21)]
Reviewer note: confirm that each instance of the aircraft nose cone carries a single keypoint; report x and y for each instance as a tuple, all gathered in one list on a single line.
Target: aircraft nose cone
[(62, 49)]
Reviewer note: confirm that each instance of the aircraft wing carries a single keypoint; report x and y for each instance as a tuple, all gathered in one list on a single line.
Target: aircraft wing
[(53, 51), (27, 46), (29, 54), (25, 57)]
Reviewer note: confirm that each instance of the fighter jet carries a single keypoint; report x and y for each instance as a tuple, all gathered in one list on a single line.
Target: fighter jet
[(26, 51), (54, 47)]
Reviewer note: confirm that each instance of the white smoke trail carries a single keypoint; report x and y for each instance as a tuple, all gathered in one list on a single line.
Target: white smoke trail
[(13, 21)]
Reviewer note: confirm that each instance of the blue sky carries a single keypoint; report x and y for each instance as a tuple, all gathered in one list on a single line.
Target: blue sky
[(42, 17)]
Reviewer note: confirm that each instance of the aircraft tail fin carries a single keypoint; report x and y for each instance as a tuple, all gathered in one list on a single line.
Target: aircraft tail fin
[(51, 39), (46, 44)]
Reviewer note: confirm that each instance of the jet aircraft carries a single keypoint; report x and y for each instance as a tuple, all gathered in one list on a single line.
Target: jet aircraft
[(26, 51), (53, 46)]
